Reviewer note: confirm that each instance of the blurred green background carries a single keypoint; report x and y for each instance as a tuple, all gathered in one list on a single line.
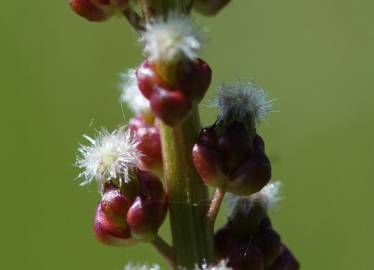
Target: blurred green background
[(59, 80)]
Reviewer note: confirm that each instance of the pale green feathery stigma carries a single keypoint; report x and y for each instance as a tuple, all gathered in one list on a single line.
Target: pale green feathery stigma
[(172, 38), (108, 156), (131, 94)]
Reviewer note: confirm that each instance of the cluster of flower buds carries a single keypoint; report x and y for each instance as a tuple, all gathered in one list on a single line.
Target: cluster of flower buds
[(248, 240), (132, 211), (142, 126), (133, 204), (173, 102), (230, 154), (172, 78), (98, 10), (210, 7)]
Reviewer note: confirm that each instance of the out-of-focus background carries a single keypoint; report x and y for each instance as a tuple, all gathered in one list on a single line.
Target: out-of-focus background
[(59, 80)]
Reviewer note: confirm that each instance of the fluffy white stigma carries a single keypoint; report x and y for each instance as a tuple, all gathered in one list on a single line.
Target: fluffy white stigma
[(132, 266), (131, 94), (171, 39), (220, 266), (268, 197), (108, 156), (238, 101)]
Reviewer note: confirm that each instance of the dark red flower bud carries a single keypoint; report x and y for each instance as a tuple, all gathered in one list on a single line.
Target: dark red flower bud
[(145, 217), (269, 242), (285, 261), (148, 212), (98, 10), (240, 252), (173, 103), (251, 177), (136, 208), (194, 79), (110, 233), (235, 145), (209, 7), (172, 107), (151, 187), (149, 144), (115, 206), (208, 165)]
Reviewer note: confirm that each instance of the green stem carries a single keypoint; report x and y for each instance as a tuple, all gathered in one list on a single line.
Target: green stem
[(188, 196), (165, 250)]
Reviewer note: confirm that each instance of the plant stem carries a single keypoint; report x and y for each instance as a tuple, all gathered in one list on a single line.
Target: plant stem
[(165, 250), (215, 205), (188, 196)]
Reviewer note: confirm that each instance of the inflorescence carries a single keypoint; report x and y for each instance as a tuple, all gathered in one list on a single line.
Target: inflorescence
[(228, 155)]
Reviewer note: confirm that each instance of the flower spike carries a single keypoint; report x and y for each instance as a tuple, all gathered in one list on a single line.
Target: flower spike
[(172, 39), (109, 156)]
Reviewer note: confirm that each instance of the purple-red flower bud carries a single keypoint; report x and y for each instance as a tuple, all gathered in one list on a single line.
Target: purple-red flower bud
[(285, 261), (148, 211), (134, 211), (109, 233), (194, 79), (240, 252), (173, 103), (232, 157), (172, 107), (149, 144), (251, 177), (207, 160), (98, 10)]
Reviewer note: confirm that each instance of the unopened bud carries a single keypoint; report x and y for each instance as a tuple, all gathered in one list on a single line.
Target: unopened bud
[(239, 252), (194, 79), (145, 217), (148, 211), (233, 157), (172, 107), (207, 160), (251, 177), (115, 205), (109, 233), (149, 144), (173, 101), (235, 145)]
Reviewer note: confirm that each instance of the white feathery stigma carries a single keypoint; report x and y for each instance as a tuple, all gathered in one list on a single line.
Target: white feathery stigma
[(222, 265), (172, 38), (131, 94), (108, 156), (268, 197), (240, 100), (132, 266)]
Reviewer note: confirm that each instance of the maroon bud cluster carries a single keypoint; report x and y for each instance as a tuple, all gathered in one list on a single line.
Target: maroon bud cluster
[(98, 10), (173, 103), (131, 212), (210, 7), (149, 144), (261, 250), (232, 158)]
